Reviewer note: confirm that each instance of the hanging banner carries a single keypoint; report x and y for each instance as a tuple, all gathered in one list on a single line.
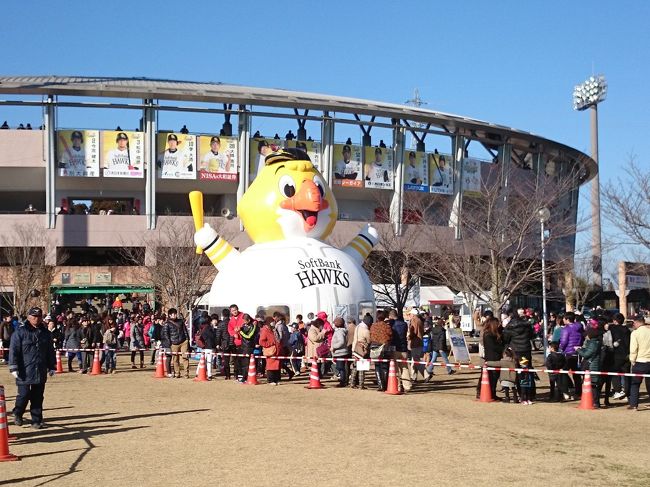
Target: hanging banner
[(416, 177), (347, 168), (218, 158), (259, 149), (77, 153), (378, 168), (441, 178), (123, 154), (176, 156), (311, 147), (471, 175)]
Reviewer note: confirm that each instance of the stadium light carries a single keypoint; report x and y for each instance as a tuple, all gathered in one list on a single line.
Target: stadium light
[(588, 95)]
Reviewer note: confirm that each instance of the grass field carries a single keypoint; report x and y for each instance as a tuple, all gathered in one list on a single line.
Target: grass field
[(131, 429)]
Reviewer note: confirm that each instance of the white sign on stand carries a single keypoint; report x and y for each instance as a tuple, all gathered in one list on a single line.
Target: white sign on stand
[(458, 345)]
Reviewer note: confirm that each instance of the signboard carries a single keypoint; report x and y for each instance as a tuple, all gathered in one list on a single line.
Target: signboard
[(82, 278), (259, 149), (65, 278), (176, 156), (102, 277), (416, 173), (123, 154), (441, 180), (378, 168), (471, 175), (458, 345), (311, 147), (348, 165), (77, 153), (217, 158), (637, 282)]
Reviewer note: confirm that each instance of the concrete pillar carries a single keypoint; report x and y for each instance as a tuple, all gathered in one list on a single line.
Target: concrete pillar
[(327, 146), (622, 287), (149, 115), (397, 201), (50, 161)]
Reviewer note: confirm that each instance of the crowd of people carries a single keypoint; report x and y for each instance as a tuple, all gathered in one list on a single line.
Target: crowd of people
[(602, 343)]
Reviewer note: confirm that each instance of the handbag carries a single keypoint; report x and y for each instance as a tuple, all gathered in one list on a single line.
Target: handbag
[(361, 348), (270, 351), (377, 352), (323, 350)]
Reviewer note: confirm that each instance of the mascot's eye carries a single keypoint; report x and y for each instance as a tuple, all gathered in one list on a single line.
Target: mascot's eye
[(287, 186), (321, 186)]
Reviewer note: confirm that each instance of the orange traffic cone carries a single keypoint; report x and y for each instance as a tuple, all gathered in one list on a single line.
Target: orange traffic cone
[(587, 398), (5, 456), (201, 376), (97, 366), (486, 390), (59, 365), (314, 377), (252, 373), (392, 387), (160, 367)]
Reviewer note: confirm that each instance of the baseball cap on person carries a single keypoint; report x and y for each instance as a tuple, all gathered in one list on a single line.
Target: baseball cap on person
[(377, 151), (35, 311), (215, 139), (346, 148), (122, 136), (172, 137), (76, 135)]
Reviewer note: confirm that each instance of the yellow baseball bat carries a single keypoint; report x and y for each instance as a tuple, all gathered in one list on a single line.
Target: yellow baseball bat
[(196, 203)]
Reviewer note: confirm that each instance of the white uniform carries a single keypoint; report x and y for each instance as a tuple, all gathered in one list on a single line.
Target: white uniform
[(117, 160), (74, 162), (172, 163), (413, 175), (215, 162), (377, 172), (439, 177), (347, 169)]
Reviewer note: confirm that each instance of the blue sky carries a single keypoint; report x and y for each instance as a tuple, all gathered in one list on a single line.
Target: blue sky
[(509, 62)]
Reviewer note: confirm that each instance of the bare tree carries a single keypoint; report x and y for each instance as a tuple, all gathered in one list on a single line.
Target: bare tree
[(626, 204), (498, 253), (178, 274), (23, 252)]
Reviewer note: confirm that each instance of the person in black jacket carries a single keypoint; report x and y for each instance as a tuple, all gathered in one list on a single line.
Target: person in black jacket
[(493, 348), (207, 336), (31, 360), (224, 342), (621, 356), (249, 338), (438, 347), (518, 335), (175, 332), (557, 382)]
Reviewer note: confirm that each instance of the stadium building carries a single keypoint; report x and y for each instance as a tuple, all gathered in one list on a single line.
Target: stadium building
[(82, 190)]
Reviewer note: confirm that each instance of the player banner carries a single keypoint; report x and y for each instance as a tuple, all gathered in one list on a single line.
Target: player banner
[(441, 180), (471, 175), (347, 165), (77, 153), (312, 148), (416, 177), (378, 168), (259, 149), (218, 158), (123, 154), (176, 156)]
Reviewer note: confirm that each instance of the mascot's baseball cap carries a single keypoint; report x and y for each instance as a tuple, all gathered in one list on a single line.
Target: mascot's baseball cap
[(35, 311), (172, 137), (122, 136)]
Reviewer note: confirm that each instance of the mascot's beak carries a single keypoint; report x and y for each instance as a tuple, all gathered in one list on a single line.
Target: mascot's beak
[(308, 202)]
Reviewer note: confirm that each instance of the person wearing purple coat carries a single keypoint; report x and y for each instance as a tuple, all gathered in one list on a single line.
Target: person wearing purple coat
[(570, 339)]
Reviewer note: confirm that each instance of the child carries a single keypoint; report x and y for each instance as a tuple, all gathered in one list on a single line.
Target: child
[(525, 382), (556, 361), (110, 343), (507, 377)]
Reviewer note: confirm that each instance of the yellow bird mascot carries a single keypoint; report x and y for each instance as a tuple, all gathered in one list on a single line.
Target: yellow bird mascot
[(287, 211)]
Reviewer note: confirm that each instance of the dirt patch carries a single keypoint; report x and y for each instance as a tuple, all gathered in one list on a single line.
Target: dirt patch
[(131, 429)]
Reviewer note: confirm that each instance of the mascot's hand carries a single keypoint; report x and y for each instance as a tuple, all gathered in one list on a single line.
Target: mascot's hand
[(372, 233), (205, 236), (15, 374)]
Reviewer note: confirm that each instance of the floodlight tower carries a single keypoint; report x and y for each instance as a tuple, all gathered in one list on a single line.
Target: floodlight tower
[(588, 95), (417, 102)]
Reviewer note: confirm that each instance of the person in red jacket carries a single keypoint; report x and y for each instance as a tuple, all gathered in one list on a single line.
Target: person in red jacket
[(270, 348), (329, 333), (234, 325)]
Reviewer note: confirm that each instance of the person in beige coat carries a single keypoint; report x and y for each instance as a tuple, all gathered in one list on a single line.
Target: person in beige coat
[(315, 336), (415, 334), (360, 349)]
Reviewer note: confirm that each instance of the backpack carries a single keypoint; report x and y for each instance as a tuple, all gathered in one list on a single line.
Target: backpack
[(198, 339), (299, 345), (151, 330)]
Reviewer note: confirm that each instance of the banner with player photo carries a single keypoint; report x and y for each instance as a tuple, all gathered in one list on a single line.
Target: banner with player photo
[(122, 154), (378, 168), (259, 149), (348, 165), (441, 176), (176, 156), (312, 148), (77, 153), (416, 174), (217, 158), (471, 175)]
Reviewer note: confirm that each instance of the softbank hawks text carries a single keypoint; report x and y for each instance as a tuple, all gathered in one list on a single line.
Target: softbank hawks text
[(320, 271)]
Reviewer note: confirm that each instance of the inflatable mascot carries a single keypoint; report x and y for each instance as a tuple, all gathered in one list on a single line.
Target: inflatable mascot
[(287, 211)]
